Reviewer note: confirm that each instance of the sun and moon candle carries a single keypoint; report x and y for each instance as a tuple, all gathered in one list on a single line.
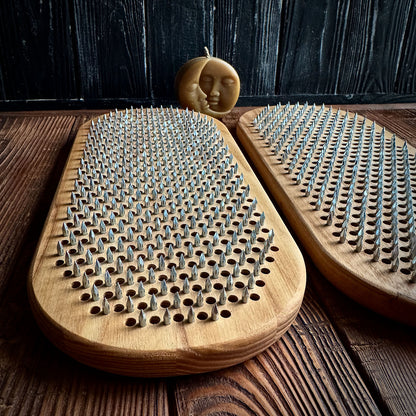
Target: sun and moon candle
[(208, 85)]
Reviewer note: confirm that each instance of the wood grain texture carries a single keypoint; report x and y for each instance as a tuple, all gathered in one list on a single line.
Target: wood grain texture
[(383, 350), (344, 47), (111, 48), (405, 81), (35, 377), (290, 378), (124, 51), (34, 374), (176, 32), (2, 89), (247, 36), (110, 342), (26, 172), (371, 283), (36, 56)]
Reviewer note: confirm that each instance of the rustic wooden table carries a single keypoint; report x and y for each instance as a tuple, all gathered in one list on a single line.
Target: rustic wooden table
[(337, 358)]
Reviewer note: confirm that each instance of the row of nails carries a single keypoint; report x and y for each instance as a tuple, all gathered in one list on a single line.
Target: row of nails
[(266, 122)]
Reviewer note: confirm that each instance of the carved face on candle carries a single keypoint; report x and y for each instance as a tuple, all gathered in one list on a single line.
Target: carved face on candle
[(208, 85)]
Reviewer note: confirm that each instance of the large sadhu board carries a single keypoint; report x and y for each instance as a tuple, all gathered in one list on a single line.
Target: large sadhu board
[(162, 254)]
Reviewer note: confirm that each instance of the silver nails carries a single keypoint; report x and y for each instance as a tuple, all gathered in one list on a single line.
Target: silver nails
[(215, 313)]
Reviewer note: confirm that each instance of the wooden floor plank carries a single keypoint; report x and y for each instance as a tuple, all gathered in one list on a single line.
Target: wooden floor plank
[(383, 351), (35, 377), (306, 372)]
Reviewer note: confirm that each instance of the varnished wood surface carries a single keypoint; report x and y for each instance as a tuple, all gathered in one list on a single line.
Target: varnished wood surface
[(107, 342), (337, 358), (371, 283)]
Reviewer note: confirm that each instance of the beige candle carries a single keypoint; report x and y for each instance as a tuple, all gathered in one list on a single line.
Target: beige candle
[(208, 85)]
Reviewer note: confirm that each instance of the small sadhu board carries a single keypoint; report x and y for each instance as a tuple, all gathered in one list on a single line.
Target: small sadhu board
[(347, 187), (162, 254)]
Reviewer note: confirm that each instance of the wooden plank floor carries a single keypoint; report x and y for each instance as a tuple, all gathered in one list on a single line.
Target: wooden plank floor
[(337, 359)]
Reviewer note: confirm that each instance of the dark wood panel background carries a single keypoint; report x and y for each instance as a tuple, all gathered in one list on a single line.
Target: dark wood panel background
[(89, 52)]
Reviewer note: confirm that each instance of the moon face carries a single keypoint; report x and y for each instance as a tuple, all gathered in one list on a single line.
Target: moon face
[(208, 85)]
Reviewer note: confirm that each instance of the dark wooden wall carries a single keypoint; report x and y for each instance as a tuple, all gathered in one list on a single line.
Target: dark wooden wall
[(61, 53)]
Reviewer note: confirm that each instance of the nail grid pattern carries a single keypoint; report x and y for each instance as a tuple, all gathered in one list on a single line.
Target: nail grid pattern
[(160, 224), (359, 182)]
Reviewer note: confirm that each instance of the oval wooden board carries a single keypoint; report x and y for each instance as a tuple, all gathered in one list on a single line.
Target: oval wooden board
[(371, 283), (115, 342)]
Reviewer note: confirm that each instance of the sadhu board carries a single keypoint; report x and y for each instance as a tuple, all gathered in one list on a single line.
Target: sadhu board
[(347, 187), (162, 254)]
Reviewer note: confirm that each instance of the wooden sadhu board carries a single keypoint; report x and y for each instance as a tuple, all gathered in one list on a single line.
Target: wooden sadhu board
[(162, 254), (347, 187)]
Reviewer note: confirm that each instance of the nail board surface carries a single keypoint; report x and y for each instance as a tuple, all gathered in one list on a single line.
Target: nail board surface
[(162, 254), (348, 188)]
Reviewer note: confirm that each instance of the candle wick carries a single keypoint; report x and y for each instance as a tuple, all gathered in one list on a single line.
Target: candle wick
[(206, 50)]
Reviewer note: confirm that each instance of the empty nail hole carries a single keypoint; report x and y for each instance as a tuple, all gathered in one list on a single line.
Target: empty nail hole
[(131, 293), (202, 316), (196, 288), (225, 313), (260, 283), (165, 304), (178, 317), (130, 322), (142, 305), (119, 308), (233, 298), (108, 295), (76, 285), (254, 296), (94, 310), (210, 300), (174, 289), (153, 291), (239, 285), (154, 320), (85, 296), (188, 302), (218, 286), (98, 283)]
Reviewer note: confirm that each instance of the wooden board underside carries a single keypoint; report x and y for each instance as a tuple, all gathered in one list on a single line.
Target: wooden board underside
[(115, 342), (385, 286)]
